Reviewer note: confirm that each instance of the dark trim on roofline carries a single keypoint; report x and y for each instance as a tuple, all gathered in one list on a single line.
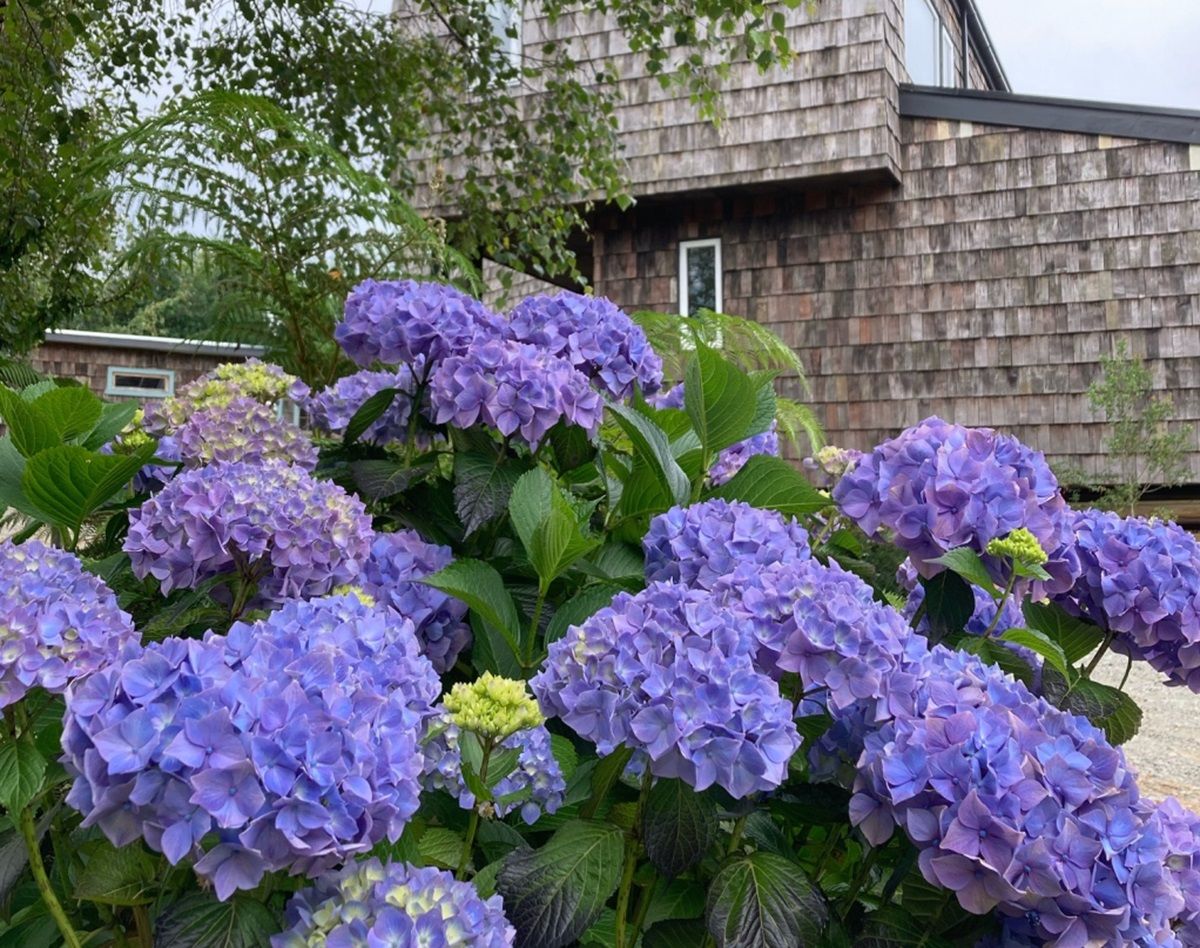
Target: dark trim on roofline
[(981, 42), (1062, 115)]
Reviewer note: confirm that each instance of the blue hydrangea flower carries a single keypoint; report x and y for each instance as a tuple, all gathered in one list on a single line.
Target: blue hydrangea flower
[(733, 458), (293, 740), (698, 544), (939, 486), (244, 430), (593, 335), (261, 381), (513, 388), (390, 574), (667, 673), (535, 785), (1017, 806), (331, 409), (271, 523), (403, 322), (1141, 579), (376, 905), (57, 622)]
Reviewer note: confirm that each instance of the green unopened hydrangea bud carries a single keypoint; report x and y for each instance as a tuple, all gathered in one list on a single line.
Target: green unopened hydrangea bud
[(1020, 546), (492, 706), (357, 592)]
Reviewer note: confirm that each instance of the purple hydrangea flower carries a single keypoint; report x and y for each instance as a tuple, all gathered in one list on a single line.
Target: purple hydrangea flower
[(1141, 579), (593, 335), (244, 430), (390, 574), (515, 389), (733, 458), (940, 486), (403, 322), (376, 905), (667, 673), (699, 544), (294, 740), (154, 476), (273, 524), (1016, 806), (535, 785), (57, 622), (261, 381), (331, 409)]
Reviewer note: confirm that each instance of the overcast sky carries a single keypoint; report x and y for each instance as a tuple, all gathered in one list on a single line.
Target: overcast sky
[(1144, 52)]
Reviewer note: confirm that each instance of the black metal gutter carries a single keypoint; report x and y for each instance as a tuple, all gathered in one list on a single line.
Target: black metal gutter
[(981, 42), (1063, 115)]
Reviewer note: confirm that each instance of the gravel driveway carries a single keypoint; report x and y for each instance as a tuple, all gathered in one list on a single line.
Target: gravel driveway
[(1166, 751)]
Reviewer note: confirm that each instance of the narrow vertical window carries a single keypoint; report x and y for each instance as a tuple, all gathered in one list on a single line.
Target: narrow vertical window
[(507, 22), (949, 62), (921, 42), (700, 276)]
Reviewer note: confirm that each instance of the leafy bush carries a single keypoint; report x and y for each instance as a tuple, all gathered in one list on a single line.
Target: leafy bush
[(523, 643)]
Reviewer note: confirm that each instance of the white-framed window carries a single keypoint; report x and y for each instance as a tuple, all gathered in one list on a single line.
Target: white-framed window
[(929, 50), (139, 383), (700, 275), (508, 21)]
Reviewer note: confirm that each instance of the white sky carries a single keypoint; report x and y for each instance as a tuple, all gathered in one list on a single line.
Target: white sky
[(1144, 52)]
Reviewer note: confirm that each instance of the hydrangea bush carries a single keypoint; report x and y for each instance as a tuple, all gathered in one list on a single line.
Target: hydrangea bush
[(506, 639)]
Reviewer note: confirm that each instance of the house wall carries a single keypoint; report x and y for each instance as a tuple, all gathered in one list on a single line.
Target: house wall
[(88, 364), (984, 289)]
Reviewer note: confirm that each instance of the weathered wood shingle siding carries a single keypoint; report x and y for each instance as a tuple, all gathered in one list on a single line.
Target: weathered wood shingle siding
[(984, 288)]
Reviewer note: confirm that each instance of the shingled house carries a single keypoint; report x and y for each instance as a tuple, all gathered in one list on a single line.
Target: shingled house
[(927, 240)]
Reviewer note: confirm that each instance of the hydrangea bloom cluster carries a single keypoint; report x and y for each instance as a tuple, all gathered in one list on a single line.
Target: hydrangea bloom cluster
[(492, 707), (390, 574), (243, 430), (371, 904), (403, 322), (699, 544), (939, 486), (831, 463), (261, 381), (733, 458), (514, 388), (666, 672), (1179, 830), (134, 436), (331, 409), (295, 740), (534, 786), (57, 622), (1018, 806), (270, 523), (593, 335), (1141, 579)]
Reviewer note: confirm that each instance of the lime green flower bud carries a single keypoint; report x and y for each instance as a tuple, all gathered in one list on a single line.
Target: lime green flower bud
[(357, 592), (1020, 546), (493, 707)]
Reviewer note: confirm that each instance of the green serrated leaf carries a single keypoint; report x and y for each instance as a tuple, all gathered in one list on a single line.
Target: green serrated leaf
[(1105, 706), (772, 483), (1038, 642), (892, 927), (993, 653), (112, 876), (575, 610), (200, 921), (440, 847), (652, 448), (71, 412), (113, 419), (22, 767), (69, 483), (764, 901), (1077, 637), (29, 431), (482, 589), (378, 479), (966, 562), (368, 413), (483, 485), (719, 398), (948, 604), (675, 933), (554, 894), (678, 827)]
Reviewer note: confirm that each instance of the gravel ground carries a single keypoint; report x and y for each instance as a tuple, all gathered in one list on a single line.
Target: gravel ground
[(1165, 752)]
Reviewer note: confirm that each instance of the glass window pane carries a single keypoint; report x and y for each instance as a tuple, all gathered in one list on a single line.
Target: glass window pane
[(921, 42), (701, 279), (949, 78)]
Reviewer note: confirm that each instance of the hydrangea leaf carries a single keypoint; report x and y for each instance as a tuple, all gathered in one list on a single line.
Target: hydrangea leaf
[(764, 901), (68, 483), (678, 827), (378, 479), (368, 413), (22, 767), (30, 431), (112, 876), (892, 927), (719, 398), (677, 899), (771, 482), (1038, 642), (71, 411), (113, 418), (1103, 705), (993, 653), (652, 446), (587, 602), (200, 921), (12, 468), (549, 526), (554, 894), (966, 562), (440, 847), (764, 403), (674, 933), (1076, 637), (483, 484), (494, 616), (949, 605)]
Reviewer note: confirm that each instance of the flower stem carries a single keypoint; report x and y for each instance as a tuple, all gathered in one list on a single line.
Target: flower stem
[(533, 626), (860, 879), (631, 854), (1087, 672), (735, 838), (464, 860), (38, 868), (1000, 605)]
